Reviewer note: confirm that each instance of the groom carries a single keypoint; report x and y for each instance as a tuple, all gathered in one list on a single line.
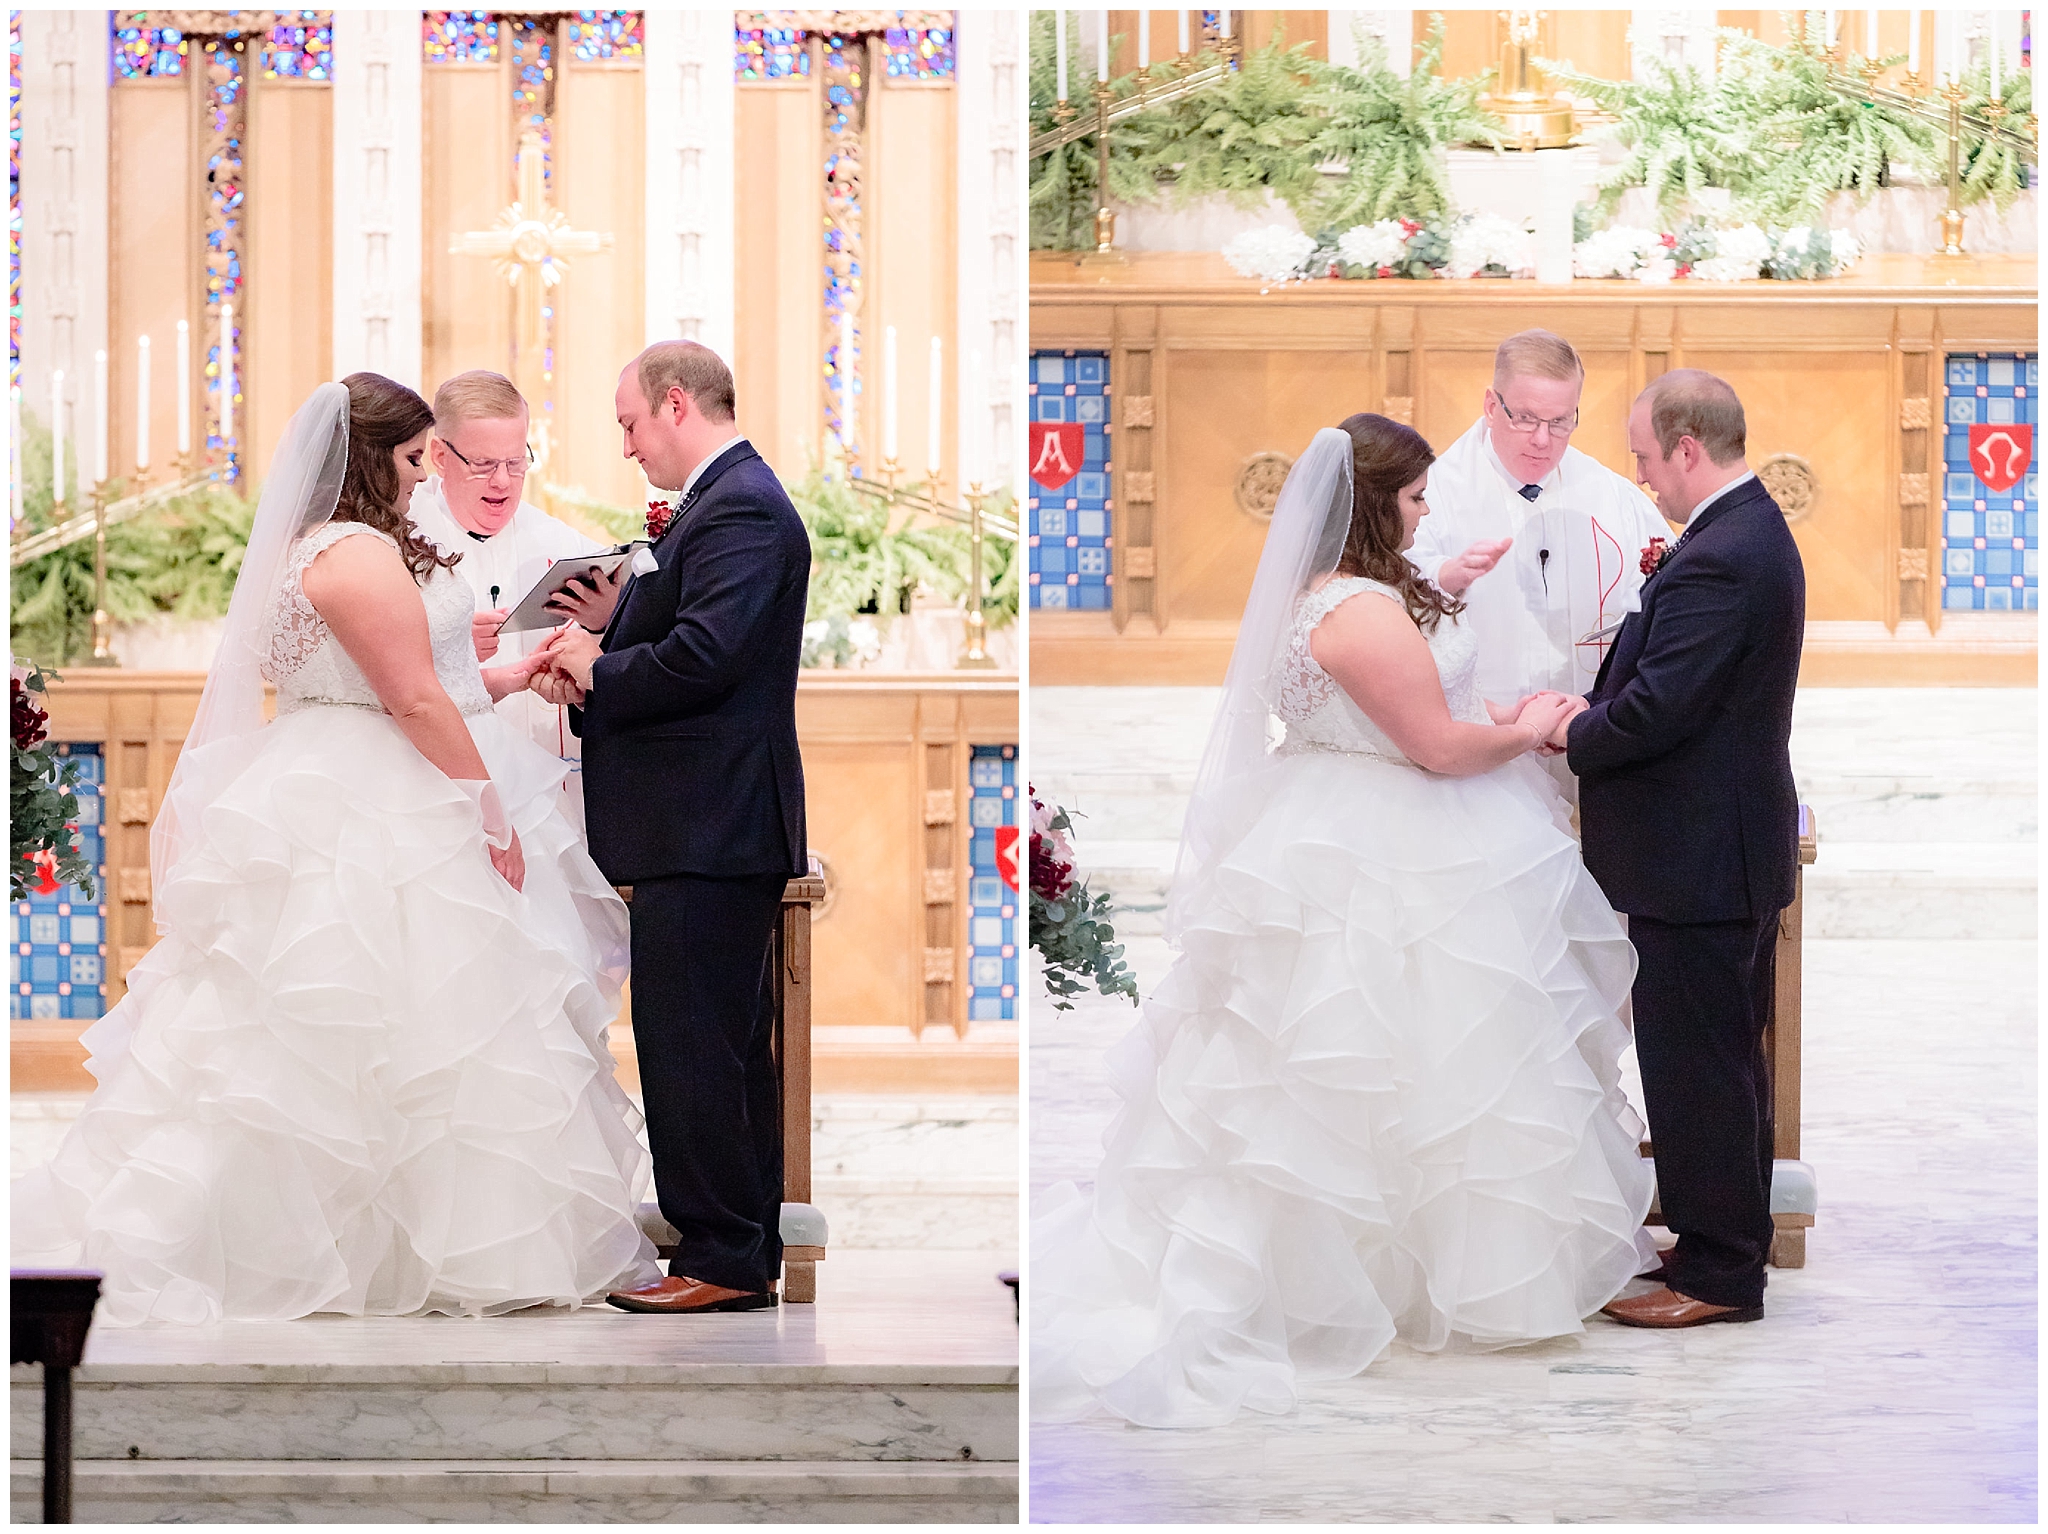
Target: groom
[(694, 795), (1690, 824)]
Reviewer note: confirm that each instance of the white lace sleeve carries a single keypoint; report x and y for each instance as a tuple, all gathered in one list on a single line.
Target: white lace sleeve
[(295, 631)]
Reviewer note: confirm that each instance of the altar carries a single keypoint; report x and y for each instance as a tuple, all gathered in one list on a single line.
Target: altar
[(1198, 387)]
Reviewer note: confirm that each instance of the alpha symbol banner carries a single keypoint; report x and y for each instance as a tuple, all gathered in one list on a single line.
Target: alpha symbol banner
[(2000, 454), (1056, 452)]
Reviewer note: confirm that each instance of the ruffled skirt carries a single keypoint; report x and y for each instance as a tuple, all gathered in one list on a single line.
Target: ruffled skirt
[(1377, 1096), (358, 1073)]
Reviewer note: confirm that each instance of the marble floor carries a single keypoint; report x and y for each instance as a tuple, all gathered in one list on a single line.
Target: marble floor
[(1895, 1378)]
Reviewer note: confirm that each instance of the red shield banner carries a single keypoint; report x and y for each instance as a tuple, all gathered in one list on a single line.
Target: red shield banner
[(1056, 452), (1010, 856), (2000, 454)]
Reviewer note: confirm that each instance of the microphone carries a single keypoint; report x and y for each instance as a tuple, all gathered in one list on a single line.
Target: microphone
[(494, 596), (1543, 565)]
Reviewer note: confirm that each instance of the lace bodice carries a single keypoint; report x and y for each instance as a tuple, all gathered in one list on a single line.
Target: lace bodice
[(311, 669), (1320, 716)]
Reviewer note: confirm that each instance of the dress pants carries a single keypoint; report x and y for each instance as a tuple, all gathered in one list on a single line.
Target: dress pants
[(1702, 1000), (704, 1024)]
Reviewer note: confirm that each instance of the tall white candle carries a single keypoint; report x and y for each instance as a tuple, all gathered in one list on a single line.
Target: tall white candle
[(1831, 17), (184, 389), (57, 436), (99, 417), (1102, 45), (1870, 34), (1996, 94), (889, 401), (1183, 15), (971, 467), (1223, 23), (1913, 43), (846, 427), (142, 403), (1144, 39), (935, 427), (1059, 47), (227, 376)]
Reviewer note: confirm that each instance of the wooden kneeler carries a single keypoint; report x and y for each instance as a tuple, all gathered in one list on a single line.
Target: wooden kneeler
[(792, 978)]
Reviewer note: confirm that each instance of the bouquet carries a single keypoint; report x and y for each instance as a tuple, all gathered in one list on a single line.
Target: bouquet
[(1070, 927), (42, 801)]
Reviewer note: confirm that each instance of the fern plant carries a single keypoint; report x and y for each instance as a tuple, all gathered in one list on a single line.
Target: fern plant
[(860, 563), (1063, 195), (1390, 134), (1248, 135), (1680, 132), (1993, 170)]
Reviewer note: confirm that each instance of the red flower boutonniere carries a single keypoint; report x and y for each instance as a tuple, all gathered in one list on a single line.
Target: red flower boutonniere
[(659, 515), (1654, 556)]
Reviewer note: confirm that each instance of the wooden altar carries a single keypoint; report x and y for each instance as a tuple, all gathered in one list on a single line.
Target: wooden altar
[(1209, 370), (885, 951)]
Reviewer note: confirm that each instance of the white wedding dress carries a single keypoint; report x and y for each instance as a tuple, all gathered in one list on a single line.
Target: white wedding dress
[(1377, 1095), (359, 1073)]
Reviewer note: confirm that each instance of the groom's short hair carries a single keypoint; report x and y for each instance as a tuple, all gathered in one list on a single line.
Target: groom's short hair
[(1536, 354), (478, 395), (1691, 402), (697, 370)]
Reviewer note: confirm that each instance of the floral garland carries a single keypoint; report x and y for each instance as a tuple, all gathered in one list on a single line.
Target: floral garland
[(42, 801), (1487, 245), (1070, 927)]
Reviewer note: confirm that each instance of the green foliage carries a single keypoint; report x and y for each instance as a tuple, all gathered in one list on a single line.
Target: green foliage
[(1390, 134), (42, 797), (1062, 199), (1994, 171), (1680, 134), (863, 562), (1250, 134), (1070, 927)]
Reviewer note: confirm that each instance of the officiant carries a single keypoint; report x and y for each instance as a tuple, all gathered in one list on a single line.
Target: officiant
[(474, 506), (1543, 542)]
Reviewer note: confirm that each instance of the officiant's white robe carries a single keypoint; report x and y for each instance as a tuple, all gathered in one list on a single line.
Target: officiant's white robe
[(508, 563)]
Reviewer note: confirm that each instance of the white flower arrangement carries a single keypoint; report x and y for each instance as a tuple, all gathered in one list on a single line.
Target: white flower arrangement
[(1373, 245), (1487, 239), (1272, 254), (1615, 252), (1741, 254)]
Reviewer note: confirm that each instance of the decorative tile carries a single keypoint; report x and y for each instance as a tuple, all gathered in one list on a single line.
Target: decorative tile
[(1990, 540), (57, 949), (1070, 525), (993, 899)]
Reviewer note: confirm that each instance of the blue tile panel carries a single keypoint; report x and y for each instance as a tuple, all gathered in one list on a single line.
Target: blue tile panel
[(992, 905), (57, 958), (1070, 527), (1990, 540)]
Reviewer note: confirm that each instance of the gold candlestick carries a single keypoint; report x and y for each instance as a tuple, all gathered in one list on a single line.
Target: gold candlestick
[(102, 621), (890, 470), (1951, 221), (1532, 119), (976, 657), (1105, 252)]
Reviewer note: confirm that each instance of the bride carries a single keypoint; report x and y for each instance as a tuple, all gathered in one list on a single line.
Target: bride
[(1377, 1095), (363, 1071)]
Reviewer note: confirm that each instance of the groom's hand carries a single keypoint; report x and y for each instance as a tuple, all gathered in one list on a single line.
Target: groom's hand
[(1457, 573), (589, 599), (572, 651)]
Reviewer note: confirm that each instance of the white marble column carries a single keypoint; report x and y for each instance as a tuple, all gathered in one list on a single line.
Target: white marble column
[(64, 110), (1396, 29), (691, 213), (1674, 37), (378, 220), (989, 76)]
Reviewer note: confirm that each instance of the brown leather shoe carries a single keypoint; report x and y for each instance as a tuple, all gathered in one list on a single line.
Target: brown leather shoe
[(687, 1296), (1667, 1309)]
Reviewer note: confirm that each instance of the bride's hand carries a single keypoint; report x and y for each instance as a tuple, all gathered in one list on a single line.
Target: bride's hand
[(1545, 712), (510, 862), (514, 676)]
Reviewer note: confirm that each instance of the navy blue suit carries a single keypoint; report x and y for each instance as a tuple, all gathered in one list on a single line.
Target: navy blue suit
[(694, 795), (1690, 822)]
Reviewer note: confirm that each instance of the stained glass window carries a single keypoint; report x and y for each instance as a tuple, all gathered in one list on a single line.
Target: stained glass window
[(1069, 513), (13, 198), (224, 195), (58, 954), (1990, 500), (300, 47), (844, 57), (460, 37), (144, 52), (770, 53), (920, 53), (993, 890), (605, 35)]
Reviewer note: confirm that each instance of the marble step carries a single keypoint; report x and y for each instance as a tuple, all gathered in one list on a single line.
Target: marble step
[(933, 1412), (526, 1491)]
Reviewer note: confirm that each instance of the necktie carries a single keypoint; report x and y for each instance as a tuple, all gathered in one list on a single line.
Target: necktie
[(1529, 492)]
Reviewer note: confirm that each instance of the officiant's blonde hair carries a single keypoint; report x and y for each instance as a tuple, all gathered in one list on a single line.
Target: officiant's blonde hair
[(1536, 354), (478, 395)]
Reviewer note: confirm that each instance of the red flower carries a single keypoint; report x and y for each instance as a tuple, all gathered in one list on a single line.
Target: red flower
[(659, 515), (1050, 877), (1684, 270), (1669, 241), (31, 724), (46, 865), (1410, 228), (1386, 271), (1653, 557)]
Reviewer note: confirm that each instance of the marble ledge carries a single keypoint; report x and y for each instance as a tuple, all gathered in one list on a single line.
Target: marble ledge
[(677, 1375)]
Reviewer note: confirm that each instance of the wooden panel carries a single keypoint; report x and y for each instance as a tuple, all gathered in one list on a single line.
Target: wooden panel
[(912, 235), (1258, 28), (778, 264), (1592, 41), (288, 346), (466, 178), (869, 944), (155, 273), (600, 319)]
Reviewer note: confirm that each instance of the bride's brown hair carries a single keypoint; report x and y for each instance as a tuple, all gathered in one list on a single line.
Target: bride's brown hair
[(382, 417), (1385, 456)]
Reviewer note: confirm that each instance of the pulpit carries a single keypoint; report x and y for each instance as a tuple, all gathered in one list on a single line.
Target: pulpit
[(52, 1311)]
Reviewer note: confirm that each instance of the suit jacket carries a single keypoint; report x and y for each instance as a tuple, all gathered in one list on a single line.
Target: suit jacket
[(1687, 810), (690, 760)]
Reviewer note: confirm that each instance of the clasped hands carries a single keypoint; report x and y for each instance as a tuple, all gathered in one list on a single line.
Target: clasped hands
[(1551, 713)]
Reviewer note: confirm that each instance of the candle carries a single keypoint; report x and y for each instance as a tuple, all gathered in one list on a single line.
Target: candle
[(1223, 23), (970, 429), (1870, 34), (1913, 43), (1183, 15), (1144, 39), (1059, 44), (889, 394), (184, 389), (99, 418), (142, 404), (1829, 18), (846, 432), (227, 377), (1995, 93), (935, 458), (57, 436), (1102, 46)]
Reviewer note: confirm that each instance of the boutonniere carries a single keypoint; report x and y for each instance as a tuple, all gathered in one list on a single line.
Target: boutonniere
[(1654, 554), (659, 515)]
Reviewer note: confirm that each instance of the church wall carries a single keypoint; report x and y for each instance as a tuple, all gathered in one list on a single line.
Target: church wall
[(156, 276), (1595, 42), (288, 303), (467, 178), (912, 240), (779, 336)]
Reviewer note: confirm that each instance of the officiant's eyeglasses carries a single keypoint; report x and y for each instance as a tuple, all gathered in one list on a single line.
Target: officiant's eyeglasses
[(1563, 426), (484, 468)]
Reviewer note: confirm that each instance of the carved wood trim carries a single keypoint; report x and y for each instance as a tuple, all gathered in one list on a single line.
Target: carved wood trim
[(132, 806), (132, 884), (941, 886), (1399, 407), (1138, 487), (1913, 489), (1138, 564), (938, 966), (1916, 414), (1137, 412), (938, 807), (1912, 564)]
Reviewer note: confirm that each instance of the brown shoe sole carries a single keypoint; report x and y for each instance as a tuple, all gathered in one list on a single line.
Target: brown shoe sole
[(737, 1302), (1746, 1313)]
